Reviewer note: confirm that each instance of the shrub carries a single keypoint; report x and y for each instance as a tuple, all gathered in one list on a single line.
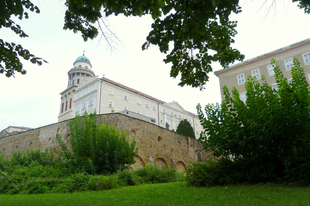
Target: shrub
[(223, 172), (97, 148), (270, 131), (154, 174)]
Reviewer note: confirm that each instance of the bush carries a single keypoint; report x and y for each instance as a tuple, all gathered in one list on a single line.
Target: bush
[(270, 131), (99, 149), (35, 157), (223, 172), (154, 174), (3, 161)]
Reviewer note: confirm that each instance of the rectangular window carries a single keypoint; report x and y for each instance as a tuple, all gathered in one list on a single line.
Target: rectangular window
[(111, 91), (196, 122), (125, 107), (126, 96), (66, 105), (147, 104), (84, 105), (62, 107), (70, 105), (168, 111), (190, 120), (90, 102), (161, 109), (196, 132), (77, 109), (182, 116), (243, 97), (147, 114), (161, 120), (241, 79), (154, 106), (275, 87), (270, 70), (307, 58), (92, 87), (289, 64), (85, 91), (79, 95), (111, 104), (138, 101), (255, 73)]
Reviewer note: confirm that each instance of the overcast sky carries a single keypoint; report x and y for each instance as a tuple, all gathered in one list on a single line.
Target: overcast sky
[(33, 100)]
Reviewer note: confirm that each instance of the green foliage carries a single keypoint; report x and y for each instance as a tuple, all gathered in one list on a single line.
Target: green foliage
[(99, 148), (224, 172), (200, 31), (200, 27), (11, 52), (26, 173), (185, 128), (34, 157), (155, 174), (271, 130)]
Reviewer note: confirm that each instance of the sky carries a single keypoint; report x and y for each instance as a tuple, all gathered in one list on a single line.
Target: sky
[(33, 100)]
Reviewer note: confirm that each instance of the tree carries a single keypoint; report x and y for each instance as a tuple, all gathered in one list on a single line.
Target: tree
[(271, 130), (185, 128), (99, 148), (10, 53), (200, 30)]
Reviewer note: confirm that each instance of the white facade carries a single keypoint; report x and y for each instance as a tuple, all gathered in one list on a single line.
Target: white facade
[(106, 96)]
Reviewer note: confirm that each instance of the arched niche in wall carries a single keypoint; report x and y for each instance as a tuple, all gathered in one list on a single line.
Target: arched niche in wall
[(139, 162), (199, 156), (180, 166), (161, 162)]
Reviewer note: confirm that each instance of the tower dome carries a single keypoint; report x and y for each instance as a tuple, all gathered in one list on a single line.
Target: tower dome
[(82, 61), (80, 71)]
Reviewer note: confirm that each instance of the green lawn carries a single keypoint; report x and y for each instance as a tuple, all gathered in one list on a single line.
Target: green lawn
[(171, 194)]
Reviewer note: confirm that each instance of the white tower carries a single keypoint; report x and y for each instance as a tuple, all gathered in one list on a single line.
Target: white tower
[(81, 70), (77, 75)]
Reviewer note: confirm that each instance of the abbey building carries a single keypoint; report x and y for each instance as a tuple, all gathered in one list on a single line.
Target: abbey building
[(236, 75), (86, 92)]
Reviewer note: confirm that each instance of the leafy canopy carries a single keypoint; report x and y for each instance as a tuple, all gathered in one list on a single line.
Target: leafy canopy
[(272, 127), (185, 128), (192, 33), (10, 53)]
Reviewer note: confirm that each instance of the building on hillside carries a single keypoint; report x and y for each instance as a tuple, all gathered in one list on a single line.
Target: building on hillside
[(13, 130), (236, 75), (87, 92)]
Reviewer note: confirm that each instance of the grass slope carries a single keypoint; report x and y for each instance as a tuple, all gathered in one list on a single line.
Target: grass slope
[(171, 194)]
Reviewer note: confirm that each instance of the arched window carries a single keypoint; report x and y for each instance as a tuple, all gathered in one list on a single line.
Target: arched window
[(198, 156)]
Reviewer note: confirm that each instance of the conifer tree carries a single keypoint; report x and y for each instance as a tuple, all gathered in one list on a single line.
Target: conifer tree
[(185, 128)]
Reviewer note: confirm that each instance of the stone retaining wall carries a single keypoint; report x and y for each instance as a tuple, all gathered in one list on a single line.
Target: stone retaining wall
[(156, 144)]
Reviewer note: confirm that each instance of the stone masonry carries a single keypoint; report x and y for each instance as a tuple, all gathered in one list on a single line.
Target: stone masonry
[(156, 144)]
